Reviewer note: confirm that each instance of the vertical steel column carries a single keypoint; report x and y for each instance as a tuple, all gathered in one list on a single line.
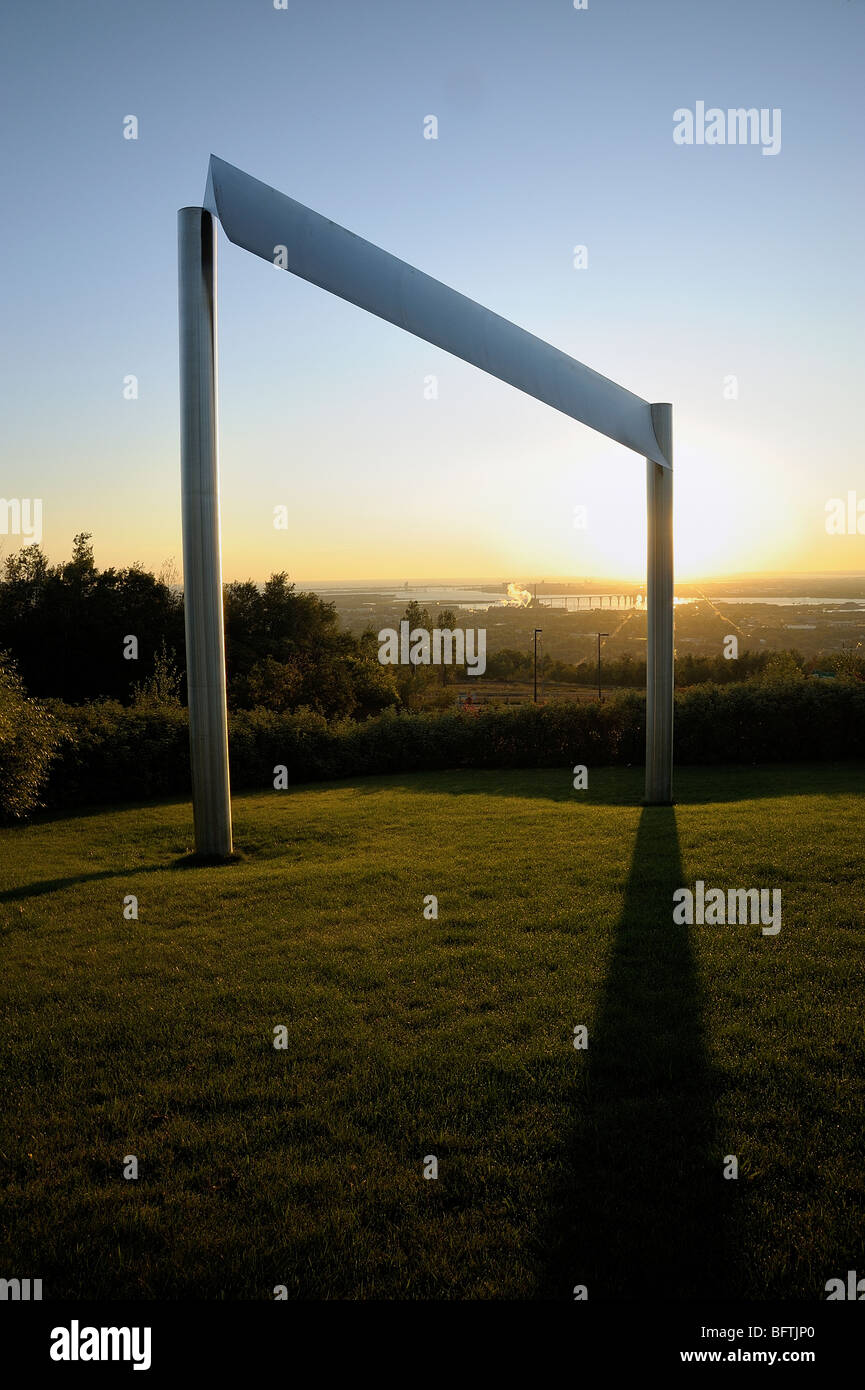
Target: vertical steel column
[(659, 600), (202, 553)]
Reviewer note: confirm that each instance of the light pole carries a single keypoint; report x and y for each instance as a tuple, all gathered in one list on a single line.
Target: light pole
[(537, 630), (599, 635)]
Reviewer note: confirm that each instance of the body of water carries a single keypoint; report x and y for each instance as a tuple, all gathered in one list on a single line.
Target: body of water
[(457, 596), (573, 603)]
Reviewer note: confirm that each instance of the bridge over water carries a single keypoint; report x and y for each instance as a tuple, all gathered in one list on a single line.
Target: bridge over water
[(572, 603)]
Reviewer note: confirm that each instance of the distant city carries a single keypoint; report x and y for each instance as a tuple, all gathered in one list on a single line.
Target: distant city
[(810, 613)]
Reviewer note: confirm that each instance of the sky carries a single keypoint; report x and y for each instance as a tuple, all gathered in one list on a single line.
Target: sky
[(717, 277)]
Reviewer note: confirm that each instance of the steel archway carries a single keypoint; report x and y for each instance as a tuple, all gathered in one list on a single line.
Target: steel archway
[(284, 232)]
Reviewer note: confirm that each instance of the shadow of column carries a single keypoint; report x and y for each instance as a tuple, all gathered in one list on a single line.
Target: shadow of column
[(638, 1208)]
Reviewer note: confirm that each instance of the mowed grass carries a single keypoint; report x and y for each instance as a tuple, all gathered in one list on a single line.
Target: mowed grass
[(409, 1037)]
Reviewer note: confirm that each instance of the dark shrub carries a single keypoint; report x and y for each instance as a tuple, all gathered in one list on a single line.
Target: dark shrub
[(115, 753)]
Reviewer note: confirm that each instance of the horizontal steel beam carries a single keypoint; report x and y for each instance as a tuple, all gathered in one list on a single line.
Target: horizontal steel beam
[(262, 220)]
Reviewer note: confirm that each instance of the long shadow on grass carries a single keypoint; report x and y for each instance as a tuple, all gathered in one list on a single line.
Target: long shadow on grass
[(637, 1209), (56, 885), (624, 786)]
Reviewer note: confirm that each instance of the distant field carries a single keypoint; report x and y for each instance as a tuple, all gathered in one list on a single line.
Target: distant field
[(487, 692), (407, 1038)]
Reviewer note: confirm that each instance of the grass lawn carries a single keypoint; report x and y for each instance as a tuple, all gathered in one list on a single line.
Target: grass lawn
[(409, 1037)]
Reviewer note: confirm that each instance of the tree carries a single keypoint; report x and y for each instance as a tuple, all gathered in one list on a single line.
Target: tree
[(161, 690), (285, 649), (849, 663), (447, 621), (67, 624), (781, 667), (29, 736), (68, 628)]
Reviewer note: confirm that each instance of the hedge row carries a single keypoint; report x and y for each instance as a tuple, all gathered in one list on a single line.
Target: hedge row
[(100, 753)]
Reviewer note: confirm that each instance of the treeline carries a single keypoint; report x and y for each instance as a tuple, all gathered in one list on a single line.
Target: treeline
[(82, 724), (627, 671), (77, 633), (65, 625)]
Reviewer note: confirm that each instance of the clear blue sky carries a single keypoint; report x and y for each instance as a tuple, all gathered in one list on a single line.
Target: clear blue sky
[(555, 129)]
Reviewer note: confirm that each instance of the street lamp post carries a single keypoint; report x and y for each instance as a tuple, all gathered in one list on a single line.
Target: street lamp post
[(537, 630), (599, 635)]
